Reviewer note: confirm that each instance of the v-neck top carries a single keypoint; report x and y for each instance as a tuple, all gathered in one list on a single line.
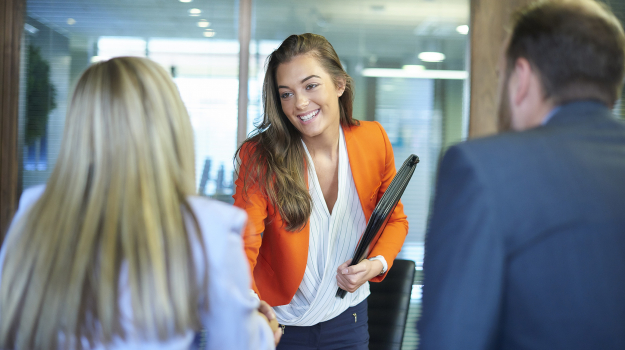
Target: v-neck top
[(333, 240)]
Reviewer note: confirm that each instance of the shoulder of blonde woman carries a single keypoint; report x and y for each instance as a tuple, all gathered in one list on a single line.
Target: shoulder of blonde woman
[(232, 320)]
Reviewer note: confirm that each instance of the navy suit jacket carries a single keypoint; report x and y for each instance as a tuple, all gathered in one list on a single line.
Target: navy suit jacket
[(526, 242)]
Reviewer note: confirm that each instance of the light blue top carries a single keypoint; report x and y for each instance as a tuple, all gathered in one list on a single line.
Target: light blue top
[(231, 321)]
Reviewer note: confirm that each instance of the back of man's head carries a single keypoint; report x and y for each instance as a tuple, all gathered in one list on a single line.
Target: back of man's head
[(576, 46)]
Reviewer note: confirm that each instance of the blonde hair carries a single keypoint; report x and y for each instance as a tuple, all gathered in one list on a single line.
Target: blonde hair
[(116, 197)]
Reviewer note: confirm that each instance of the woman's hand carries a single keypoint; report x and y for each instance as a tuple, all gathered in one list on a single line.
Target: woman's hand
[(350, 278), (265, 310)]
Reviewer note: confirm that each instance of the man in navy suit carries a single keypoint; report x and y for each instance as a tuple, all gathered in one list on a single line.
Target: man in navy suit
[(526, 241)]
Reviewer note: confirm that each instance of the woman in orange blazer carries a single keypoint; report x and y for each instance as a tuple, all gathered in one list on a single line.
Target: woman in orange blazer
[(289, 168)]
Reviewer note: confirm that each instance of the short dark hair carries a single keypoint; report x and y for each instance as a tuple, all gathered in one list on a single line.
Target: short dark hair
[(577, 47)]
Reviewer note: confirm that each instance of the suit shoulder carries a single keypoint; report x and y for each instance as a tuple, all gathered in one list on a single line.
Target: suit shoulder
[(212, 214), (31, 195), (503, 145), (367, 126), (370, 130), (247, 148)]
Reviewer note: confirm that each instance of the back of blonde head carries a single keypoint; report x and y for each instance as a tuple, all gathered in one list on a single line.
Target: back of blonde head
[(114, 202)]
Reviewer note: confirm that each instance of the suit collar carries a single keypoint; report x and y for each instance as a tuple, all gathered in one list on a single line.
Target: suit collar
[(579, 111)]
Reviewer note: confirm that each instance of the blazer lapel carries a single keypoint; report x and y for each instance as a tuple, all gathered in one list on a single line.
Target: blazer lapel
[(359, 159)]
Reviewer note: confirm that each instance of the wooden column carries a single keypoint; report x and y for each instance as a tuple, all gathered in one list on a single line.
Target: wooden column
[(11, 26), (489, 21)]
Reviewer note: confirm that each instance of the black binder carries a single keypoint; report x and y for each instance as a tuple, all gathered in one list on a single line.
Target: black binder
[(382, 212)]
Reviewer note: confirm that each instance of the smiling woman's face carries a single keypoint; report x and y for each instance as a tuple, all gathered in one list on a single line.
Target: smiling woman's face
[(309, 97)]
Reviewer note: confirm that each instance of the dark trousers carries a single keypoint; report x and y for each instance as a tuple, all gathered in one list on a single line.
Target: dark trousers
[(344, 332)]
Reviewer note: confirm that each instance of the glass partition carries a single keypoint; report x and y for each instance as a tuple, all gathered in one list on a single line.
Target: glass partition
[(195, 41), (407, 59), (408, 62)]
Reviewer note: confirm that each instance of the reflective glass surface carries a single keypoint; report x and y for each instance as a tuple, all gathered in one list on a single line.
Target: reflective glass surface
[(200, 50), (407, 59)]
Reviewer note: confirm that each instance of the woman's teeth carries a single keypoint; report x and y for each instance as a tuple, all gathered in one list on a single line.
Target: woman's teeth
[(309, 116)]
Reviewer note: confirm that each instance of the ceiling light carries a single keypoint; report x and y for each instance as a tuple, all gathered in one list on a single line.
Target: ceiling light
[(186, 0), (71, 21), (413, 67), (195, 12), (203, 23), (463, 29), (431, 57), (415, 74), (209, 33)]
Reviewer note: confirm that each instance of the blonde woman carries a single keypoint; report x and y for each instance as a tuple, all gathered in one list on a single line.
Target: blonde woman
[(115, 251)]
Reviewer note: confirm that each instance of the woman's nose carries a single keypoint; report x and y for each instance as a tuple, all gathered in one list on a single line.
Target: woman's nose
[(302, 102)]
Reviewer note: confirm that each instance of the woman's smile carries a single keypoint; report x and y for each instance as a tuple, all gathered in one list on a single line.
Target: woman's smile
[(307, 117)]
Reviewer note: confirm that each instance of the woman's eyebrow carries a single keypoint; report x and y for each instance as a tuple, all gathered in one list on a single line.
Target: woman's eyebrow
[(303, 80), (309, 77)]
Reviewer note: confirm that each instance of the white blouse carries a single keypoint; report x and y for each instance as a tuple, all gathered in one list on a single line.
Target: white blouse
[(333, 240)]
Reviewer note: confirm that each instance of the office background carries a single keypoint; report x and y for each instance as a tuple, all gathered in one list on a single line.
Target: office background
[(411, 61)]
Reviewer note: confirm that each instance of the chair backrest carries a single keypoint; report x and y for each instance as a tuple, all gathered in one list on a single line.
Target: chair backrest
[(388, 306)]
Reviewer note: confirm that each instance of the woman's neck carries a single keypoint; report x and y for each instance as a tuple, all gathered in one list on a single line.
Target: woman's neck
[(325, 145)]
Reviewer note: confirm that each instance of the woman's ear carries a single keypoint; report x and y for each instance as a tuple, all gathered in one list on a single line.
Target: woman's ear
[(340, 86)]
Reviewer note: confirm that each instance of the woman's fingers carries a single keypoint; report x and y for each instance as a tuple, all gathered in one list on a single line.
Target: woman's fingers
[(277, 334), (350, 278), (266, 310)]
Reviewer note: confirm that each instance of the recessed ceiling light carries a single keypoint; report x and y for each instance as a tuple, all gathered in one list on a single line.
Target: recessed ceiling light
[(203, 23), (431, 57), (186, 0), (71, 21), (209, 33), (463, 29), (195, 12)]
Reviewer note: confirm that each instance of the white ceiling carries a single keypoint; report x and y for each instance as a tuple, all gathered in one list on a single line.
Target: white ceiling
[(388, 32)]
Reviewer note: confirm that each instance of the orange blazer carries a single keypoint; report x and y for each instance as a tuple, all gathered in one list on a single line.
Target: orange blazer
[(278, 258)]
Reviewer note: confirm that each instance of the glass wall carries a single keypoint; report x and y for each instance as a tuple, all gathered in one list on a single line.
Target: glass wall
[(196, 41), (407, 59), (408, 62)]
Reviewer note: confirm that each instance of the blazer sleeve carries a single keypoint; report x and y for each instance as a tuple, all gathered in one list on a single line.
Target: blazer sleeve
[(392, 239), (464, 261), (254, 202), (232, 321)]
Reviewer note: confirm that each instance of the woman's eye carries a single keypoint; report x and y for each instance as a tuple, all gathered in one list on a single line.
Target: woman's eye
[(285, 95), (311, 86)]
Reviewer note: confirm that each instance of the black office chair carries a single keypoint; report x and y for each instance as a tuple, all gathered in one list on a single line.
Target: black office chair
[(388, 306)]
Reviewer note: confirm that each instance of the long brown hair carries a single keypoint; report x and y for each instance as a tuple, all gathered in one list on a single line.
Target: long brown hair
[(275, 160), (114, 198)]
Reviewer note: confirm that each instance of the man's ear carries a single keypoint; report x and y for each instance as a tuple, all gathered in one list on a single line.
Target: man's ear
[(521, 80)]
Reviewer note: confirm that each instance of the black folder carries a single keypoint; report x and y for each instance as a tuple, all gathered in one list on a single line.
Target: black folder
[(382, 212)]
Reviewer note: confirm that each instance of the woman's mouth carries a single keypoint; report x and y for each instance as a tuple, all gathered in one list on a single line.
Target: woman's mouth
[(308, 116)]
